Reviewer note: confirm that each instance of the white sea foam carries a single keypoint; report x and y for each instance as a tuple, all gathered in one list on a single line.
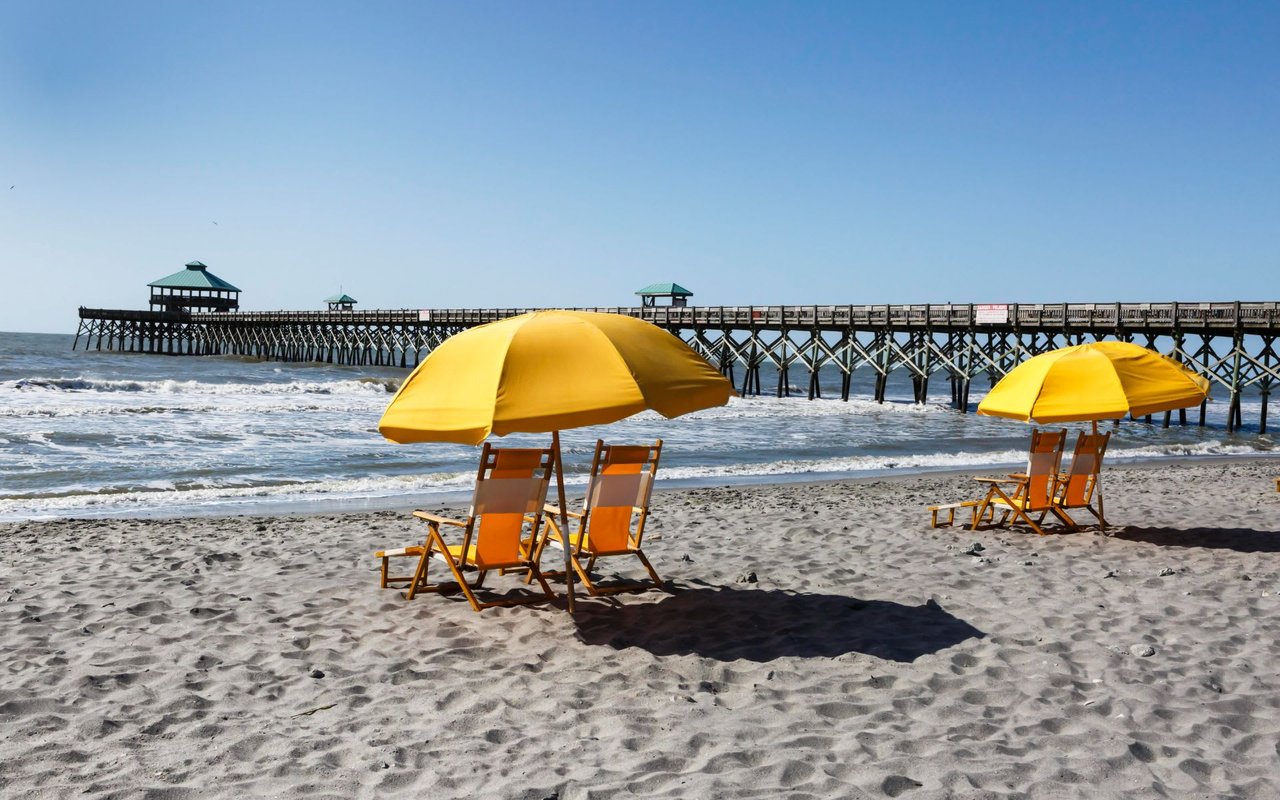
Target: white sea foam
[(368, 386), (159, 497), (148, 435)]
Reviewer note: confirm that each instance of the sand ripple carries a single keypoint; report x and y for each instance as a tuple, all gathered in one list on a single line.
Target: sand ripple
[(819, 641)]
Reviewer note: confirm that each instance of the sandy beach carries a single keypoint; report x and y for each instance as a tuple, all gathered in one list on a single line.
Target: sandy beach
[(817, 641)]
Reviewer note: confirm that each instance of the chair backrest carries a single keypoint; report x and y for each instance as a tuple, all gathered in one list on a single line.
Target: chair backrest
[(510, 485), (1042, 467), (621, 484), (1086, 461)]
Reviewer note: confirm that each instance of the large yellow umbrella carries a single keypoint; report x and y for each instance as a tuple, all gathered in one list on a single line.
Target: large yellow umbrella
[(546, 371), (1089, 382)]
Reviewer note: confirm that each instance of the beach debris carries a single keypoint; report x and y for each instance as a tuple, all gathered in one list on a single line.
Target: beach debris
[(316, 673), (1167, 571), (311, 711), (749, 577), (685, 558), (1245, 577), (1111, 573), (1142, 650), (972, 550), (1213, 685)]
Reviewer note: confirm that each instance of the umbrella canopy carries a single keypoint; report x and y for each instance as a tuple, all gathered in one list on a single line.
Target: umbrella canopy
[(1101, 380), (547, 371)]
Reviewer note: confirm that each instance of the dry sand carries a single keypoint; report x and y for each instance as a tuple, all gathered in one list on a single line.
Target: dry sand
[(870, 657)]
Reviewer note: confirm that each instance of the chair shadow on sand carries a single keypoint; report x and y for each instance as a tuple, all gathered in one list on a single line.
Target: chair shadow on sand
[(1242, 540), (764, 624)]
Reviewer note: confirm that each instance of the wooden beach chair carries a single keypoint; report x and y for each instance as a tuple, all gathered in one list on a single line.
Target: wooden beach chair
[(1081, 486), (511, 489), (613, 514), (1024, 494)]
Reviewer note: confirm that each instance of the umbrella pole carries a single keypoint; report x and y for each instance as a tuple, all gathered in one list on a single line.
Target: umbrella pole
[(1097, 487), (564, 519)]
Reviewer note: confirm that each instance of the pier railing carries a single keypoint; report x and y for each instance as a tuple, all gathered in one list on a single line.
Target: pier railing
[(1255, 316)]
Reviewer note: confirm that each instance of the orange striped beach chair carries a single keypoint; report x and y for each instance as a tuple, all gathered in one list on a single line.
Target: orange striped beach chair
[(511, 490), (613, 515), (1023, 494), (1081, 487)]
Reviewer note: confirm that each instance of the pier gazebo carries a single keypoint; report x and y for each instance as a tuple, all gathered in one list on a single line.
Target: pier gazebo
[(676, 294), (341, 302), (193, 289)]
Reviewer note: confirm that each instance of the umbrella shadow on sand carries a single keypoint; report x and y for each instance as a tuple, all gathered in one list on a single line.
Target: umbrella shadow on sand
[(764, 624), (1242, 540)]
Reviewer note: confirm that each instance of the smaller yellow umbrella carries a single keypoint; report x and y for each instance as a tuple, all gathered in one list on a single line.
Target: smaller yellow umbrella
[(1089, 382)]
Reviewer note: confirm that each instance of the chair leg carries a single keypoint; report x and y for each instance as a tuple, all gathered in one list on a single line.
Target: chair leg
[(546, 588), (462, 581), (983, 507), (1065, 518), (652, 572), (540, 545), (987, 505), (584, 576), (1027, 517), (384, 571), (419, 574)]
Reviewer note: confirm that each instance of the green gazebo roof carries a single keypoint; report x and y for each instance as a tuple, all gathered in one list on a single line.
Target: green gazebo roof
[(340, 298), (195, 276), (664, 289)]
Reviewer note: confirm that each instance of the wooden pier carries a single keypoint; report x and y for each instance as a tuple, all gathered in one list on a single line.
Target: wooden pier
[(1232, 343)]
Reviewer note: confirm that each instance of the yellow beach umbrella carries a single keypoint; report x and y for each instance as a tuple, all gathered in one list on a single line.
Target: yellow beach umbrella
[(1090, 382), (547, 371)]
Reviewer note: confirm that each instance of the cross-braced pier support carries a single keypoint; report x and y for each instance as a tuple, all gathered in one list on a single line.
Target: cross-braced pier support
[(1234, 344)]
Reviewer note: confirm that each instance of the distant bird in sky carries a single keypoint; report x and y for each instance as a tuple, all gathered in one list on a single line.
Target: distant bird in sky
[(215, 223), (11, 187)]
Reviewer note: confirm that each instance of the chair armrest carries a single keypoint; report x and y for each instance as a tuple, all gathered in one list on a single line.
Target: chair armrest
[(998, 480), (555, 510), (439, 520)]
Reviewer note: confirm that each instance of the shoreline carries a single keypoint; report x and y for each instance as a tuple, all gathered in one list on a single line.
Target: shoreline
[(312, 507)]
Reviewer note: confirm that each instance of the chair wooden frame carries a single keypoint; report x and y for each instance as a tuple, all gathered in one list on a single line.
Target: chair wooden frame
[(1031, 491), (1081, 485), (617, 497), (511, 490)]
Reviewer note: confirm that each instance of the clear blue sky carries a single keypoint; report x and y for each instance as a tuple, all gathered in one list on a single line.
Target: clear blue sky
[(549, 153)]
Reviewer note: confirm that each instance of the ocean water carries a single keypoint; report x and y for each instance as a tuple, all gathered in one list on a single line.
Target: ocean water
[(115, 434)]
